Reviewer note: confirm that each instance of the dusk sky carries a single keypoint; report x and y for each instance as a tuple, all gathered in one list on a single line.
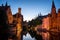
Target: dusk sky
[(31, 8)]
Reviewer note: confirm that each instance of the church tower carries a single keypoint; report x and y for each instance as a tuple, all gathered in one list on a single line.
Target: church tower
[(53, 22), (53, 15), (18, 17), (19, 24), (53, 9)]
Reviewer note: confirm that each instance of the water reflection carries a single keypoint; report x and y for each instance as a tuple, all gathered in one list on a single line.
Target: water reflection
[(28, 37)]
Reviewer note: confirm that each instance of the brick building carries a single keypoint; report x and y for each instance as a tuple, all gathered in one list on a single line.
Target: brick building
[(10, 25), (52, 23)]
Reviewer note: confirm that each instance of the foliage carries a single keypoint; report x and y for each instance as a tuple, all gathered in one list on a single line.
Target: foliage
[(36, 21)]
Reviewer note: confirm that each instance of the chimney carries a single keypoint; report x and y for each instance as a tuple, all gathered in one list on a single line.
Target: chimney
[(19, 10)]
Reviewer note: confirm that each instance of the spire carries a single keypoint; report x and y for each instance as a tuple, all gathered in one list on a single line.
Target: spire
[(53, 5), (6, 4), (53, 10)]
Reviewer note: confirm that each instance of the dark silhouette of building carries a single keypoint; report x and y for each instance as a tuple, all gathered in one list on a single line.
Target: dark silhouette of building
[(10, 25), (3, 21)]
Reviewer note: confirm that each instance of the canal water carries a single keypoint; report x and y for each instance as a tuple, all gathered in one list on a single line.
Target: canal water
[(28, 37)]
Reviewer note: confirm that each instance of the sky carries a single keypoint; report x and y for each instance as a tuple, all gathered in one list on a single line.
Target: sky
[(28, 37), (31, 8)]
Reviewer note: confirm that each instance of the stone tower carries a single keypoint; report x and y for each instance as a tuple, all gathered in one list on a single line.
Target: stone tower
[(18, 17), (19, 24)]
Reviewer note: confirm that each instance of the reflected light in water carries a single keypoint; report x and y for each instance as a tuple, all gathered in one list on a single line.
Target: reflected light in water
[(28, 37)]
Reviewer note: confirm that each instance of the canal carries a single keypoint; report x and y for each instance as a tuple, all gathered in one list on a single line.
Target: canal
[(28, 37)]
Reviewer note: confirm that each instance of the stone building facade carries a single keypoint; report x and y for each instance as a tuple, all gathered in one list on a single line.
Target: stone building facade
[(10, 25), (45, 26), (52, 23)]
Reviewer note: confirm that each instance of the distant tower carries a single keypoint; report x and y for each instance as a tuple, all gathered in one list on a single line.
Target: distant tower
[(6, 4), (2, 4)]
